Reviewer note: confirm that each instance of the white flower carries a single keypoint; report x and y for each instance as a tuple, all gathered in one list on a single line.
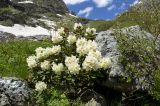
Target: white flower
[(72, 64), (57, 38), (45, 65), (90, 63), (58, 68), (105, 63), (32, 61), (44, 53), (40, 52), (55, 50), (71, 39), (81, 42), (92, 45), (77, 26), (91, 30), (96, 54), (82, 46), (61, 31), (40, 86)]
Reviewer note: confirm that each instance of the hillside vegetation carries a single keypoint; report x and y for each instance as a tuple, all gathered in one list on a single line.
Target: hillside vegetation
[(147, 15)]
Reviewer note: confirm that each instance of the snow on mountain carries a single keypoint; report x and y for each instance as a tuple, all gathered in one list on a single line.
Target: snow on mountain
[(25, 31)]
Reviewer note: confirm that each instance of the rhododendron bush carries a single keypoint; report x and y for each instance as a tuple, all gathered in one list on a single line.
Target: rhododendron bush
[(72, 61)]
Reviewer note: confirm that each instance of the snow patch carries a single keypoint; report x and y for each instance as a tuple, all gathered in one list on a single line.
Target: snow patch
[(26, 2), (73, 15), (19, 30), (59, 15)]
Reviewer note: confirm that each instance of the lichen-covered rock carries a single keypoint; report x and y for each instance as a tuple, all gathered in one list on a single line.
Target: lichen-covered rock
[(107, 44), (6, 36), (14, 92), (4, 101), (92, 102), (92, 98)]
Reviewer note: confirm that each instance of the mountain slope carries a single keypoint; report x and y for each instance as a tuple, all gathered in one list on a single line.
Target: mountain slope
[(146, 13), (32, 17)]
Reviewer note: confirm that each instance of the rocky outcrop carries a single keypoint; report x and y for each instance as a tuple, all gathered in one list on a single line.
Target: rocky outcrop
[(14, 92), (38, 6), (107, 44), (25, 12)]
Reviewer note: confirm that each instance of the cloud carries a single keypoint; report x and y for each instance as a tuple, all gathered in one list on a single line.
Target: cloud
[(116, 14), (102, 3), (123, 6), (111, 7), (136, 2), (74, 2), (86, 11)]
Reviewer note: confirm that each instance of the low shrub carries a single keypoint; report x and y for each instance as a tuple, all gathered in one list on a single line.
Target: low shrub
[(139, 57), (53, 97), (71, 64)]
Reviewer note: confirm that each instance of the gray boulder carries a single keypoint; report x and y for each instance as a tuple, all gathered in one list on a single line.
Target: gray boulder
[(107, 44), (4, 101), (14, 92), (6, 36)]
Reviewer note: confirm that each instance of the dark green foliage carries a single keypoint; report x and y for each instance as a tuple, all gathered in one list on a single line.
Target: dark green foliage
[(139, 58), (7, 22), (53, 97), (5, 10), (156, 89)]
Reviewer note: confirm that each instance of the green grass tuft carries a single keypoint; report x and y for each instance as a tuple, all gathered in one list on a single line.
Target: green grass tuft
[(13, 57)]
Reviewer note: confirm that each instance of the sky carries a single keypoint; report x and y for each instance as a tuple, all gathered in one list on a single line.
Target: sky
[(99, 9)]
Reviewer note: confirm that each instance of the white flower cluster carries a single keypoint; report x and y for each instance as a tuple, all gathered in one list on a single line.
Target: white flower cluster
[(61, 31), (40, 86), (91, 30), (71, 39), (72, 64), (58, 68), (45, 65), (92, 45), (32, 61), (81, 46), (84, 46), (105, 63), (78, 26), (56, 38), (94, 61), (44, 53)]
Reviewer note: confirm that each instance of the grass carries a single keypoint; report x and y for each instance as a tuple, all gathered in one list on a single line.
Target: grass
[(101, 25), (13, 57)]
